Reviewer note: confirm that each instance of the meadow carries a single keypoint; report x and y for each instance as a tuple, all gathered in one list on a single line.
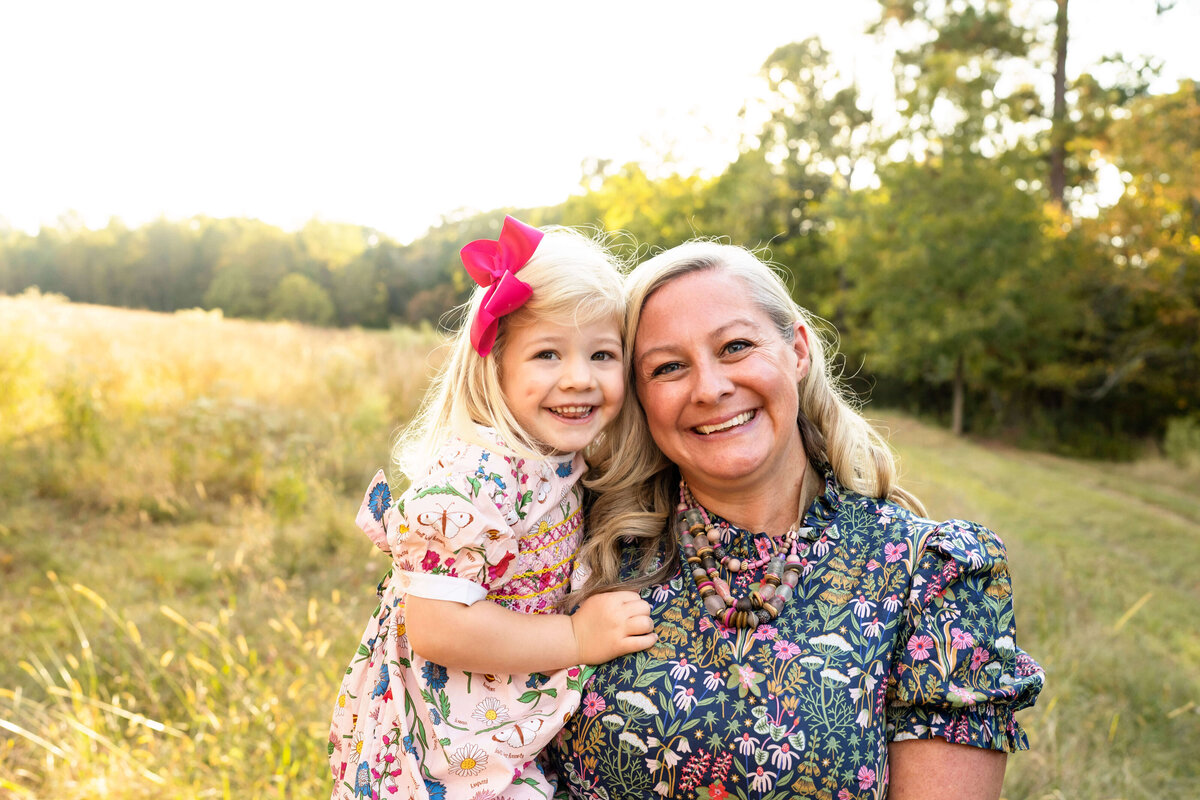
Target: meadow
[(183, 583)]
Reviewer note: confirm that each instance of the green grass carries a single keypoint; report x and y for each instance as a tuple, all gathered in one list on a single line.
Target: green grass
[(183, 582)]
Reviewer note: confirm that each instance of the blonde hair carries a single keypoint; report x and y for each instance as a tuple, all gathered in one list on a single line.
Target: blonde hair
[(575, 280), (637, 487)]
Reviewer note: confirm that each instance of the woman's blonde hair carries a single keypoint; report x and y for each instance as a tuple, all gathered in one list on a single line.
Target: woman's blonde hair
[(636, 487), (575, 280)]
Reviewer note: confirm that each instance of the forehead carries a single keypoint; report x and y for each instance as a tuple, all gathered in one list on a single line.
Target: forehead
[(528, 328), (693, 308)]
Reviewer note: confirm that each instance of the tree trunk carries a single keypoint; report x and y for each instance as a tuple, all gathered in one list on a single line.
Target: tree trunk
[(956, 419), (1058, 133)]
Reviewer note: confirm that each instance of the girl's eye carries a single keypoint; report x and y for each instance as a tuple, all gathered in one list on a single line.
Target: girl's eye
[(546, 355), (604, 355)]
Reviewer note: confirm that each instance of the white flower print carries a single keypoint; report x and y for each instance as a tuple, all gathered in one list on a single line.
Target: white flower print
[(491, 712), (685, 697), (746, 744), (633, 740), (782, 755), (662, 593), (468, 760), (862, 607), (713, 681), (762, 780), (681, 669)]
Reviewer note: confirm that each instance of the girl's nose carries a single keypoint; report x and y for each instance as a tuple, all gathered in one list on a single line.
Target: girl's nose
[(576, 374)]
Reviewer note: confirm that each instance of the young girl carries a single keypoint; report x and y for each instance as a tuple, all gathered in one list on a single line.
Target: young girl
[(466, 670)]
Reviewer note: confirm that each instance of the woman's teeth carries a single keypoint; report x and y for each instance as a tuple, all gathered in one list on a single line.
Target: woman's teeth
[(573, 412), (740, 419)]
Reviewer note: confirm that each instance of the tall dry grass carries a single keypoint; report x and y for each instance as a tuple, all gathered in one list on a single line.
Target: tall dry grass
[(183, 584), (182, 578)]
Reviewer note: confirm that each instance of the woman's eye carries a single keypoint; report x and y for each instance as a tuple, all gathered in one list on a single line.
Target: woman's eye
[(737, 346), (665, 369)]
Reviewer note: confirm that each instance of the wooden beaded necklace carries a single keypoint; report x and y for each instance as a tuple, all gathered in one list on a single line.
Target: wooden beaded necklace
[(701, 541)]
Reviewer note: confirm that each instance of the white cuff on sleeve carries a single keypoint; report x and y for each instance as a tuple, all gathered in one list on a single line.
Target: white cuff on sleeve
[(442, 587)]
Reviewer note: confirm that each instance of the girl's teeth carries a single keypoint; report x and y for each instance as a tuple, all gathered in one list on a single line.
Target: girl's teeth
[(740, 419), (572, 411)]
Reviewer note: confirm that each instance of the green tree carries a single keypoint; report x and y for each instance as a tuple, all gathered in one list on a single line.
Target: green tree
[(951, 272), (299, 298)]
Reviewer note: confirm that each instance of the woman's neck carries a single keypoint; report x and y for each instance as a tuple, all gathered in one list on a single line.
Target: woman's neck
[(775, 508)]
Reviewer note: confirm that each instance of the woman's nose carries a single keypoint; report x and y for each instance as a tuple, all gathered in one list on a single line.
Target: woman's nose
[(710, 384)]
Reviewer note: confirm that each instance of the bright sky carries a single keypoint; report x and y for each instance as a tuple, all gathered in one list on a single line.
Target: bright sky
[(391, 114)]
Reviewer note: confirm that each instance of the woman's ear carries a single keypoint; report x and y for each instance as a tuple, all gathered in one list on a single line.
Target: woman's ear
[(800, 345)]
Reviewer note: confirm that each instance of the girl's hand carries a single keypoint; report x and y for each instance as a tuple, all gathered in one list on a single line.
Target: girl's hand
[(611, 624)]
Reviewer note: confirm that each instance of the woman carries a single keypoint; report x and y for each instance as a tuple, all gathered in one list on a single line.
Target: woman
[(817, 636)]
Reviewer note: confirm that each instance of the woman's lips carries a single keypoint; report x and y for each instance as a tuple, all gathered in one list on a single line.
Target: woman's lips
[(732, 422)]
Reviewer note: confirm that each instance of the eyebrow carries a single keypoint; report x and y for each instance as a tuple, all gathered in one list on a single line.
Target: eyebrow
[(716, 333)]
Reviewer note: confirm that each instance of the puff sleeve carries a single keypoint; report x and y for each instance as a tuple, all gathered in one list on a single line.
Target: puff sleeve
[(956, 671), (450, 535)]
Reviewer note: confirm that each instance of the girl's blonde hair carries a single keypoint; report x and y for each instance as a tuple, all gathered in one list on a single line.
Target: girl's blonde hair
[(636, 488), (575, 280)]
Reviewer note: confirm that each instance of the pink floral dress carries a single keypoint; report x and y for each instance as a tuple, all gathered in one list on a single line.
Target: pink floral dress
[(479, 526)]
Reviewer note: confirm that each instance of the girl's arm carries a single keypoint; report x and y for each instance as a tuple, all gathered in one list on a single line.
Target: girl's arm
[(485, 637)]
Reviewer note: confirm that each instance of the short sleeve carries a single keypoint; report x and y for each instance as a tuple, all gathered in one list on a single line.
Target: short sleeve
[(373, 514), (450, 539), (957, 672)]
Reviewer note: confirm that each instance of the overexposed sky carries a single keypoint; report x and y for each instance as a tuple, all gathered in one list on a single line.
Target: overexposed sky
[(391, 114)]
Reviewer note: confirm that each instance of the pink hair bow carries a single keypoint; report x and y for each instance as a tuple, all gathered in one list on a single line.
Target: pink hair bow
[(492, 264)]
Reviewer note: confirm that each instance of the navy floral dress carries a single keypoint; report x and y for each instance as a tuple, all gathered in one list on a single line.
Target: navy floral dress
[(900, 628)]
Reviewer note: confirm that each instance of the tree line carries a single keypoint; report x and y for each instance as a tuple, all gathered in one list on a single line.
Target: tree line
[(956, 245)]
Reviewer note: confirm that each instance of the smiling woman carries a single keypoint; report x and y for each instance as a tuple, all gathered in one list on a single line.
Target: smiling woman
[(817, 636)]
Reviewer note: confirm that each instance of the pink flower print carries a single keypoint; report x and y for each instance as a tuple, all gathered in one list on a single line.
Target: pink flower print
[(392, 788), (979, 657), (389, 758), (430, 561), (866, 777), (496, 570), (785, 650), (961, 639), (920, 646), (593, 704), (764, 633), (872, 565), (844, 794), (894, 552)]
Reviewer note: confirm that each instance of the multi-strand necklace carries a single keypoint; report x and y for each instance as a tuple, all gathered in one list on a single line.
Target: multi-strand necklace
[(703, 549)]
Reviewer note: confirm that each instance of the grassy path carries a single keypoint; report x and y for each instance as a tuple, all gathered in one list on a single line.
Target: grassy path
[(1105, 564)]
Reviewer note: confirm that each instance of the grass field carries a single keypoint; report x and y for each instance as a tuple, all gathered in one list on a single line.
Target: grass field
[(183, 583)]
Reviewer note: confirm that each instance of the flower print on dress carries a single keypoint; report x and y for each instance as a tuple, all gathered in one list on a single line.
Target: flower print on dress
[(859, 664), (435, 675), (379, 499), (491, 712), (468, 760), (593, 704), (893, 552)]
